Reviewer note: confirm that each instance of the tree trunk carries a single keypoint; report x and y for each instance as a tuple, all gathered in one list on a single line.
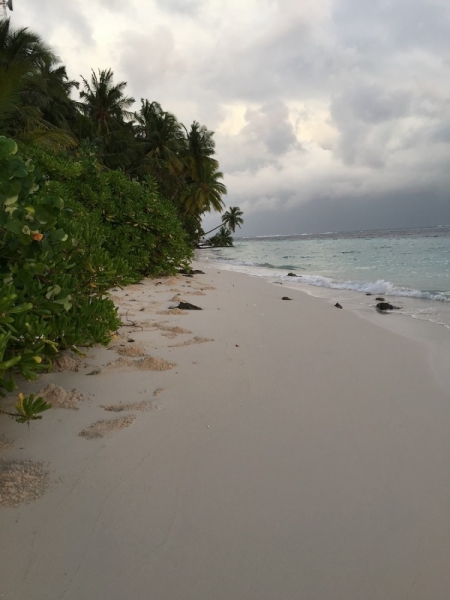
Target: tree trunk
[(221, 225)]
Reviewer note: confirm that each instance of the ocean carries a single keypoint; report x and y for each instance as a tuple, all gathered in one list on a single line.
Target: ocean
[(408, 267)]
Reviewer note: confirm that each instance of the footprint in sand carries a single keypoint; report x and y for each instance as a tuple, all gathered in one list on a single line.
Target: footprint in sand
[(176, 330), (194, 340), (141, 406), (22, 481), (158, 391), (149, 363), (100, 429), (135, 350), (58, 397), (67, 361), (6, 443)]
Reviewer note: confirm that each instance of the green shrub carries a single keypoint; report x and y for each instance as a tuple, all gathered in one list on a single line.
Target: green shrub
[(139, 226), (54, 274), (66, 238)]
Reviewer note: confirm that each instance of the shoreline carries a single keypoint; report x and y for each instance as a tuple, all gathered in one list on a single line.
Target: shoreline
[(435, 335), (288, 449), (416, 302)]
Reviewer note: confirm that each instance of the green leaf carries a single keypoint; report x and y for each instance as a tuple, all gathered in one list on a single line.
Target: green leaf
[(14, 225), (53, 291), (8, 147)]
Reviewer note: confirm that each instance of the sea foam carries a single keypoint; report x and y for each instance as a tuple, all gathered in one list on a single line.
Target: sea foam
[(373, 287)]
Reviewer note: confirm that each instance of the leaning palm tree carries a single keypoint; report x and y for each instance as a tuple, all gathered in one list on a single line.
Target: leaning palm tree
[(231, 219), (221, 239), (104, 102)]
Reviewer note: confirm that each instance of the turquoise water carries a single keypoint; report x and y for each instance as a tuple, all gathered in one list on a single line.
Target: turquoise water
[(412, 265)]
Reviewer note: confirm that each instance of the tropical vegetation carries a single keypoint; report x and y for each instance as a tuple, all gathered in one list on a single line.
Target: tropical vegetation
[(231, 219), (221, 239), (94, 194)]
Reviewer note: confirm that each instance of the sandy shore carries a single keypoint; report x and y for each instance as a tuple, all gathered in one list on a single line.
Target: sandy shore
[(258, 449)]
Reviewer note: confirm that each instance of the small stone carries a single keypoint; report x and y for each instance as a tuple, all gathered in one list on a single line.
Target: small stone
[(386, 306), (337, 305)]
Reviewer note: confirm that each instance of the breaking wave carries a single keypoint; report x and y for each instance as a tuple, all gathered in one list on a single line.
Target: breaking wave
[(373, 287)]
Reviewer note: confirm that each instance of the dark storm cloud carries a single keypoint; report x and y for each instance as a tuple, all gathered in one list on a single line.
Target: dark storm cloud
[(281, 60), (370, 103), (365, 115), (383, 26), (409, 208), (270, 125)]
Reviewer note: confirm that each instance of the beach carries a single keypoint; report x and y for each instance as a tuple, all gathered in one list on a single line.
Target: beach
[(255, 449)]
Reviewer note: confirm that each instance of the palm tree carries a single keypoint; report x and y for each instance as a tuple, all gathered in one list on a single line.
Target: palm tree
[(199, 150), (204, 190), (205, 193), (161, 135), (230, 219), (23, 89), (22, 46), (51, 89), (104, 101)]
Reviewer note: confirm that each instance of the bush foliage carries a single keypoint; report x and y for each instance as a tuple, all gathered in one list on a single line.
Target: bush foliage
[(136, 222), (67, 237)]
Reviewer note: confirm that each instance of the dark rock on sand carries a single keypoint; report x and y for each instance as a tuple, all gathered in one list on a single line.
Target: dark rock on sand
[(286, 298), (293, 275), (386, 306), (379, 299), (337, 305), (368, 294), (191, 272), (187, 306)]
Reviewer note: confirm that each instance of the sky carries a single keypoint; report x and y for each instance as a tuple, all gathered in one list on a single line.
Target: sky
[(329, 115)]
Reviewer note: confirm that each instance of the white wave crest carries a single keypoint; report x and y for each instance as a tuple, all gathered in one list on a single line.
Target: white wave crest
[(373, 287)]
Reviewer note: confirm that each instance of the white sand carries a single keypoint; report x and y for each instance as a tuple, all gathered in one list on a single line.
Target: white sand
[(302, 454)]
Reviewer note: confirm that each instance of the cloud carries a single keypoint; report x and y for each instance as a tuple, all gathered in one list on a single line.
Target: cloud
[(190, 8), (325, 110), (49, 17), (270, 125), (150, 60)]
